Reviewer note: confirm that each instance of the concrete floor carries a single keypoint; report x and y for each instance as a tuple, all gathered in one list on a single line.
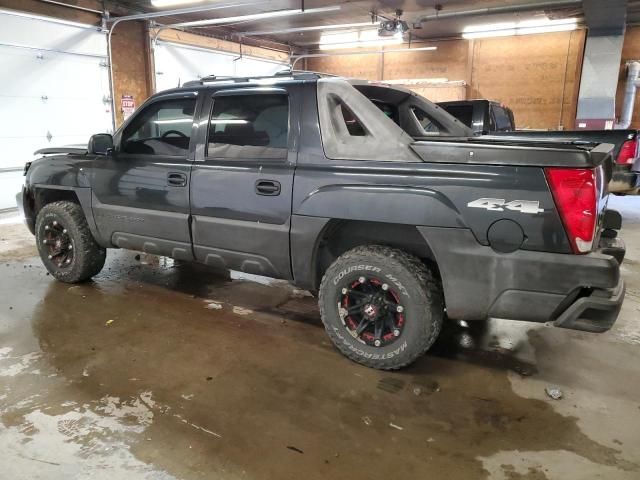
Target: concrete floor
[(160, 370)]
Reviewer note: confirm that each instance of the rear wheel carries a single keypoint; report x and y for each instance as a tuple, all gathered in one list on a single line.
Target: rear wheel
[(66, 246), (381, 307)]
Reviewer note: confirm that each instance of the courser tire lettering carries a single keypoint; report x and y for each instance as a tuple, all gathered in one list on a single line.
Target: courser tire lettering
[(420, 294)]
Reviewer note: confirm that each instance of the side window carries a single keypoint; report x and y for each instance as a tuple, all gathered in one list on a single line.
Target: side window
[(492, 123), (427, 124), (464, 113), (163, 128), (352, 123), (249, 126), (503, 122)]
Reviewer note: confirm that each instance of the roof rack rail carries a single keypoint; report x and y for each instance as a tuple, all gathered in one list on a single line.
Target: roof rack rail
[(293, 74)]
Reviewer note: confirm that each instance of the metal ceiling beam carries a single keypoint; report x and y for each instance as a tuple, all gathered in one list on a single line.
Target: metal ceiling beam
[(183, 11), (605, 18), (527, 7), (74, 7), (601, 64)]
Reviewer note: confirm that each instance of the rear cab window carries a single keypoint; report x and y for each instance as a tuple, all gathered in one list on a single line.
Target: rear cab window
[(502, 118), (427, 124), (464, 113), (249, 126)]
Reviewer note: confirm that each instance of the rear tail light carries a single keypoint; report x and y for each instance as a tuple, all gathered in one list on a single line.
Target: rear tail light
[(575, 194), (628, 152)]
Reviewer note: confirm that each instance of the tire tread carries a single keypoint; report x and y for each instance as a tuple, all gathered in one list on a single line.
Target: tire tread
[(91, 255), (431, 290)]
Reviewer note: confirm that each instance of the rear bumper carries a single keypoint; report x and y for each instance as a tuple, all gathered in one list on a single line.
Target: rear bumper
[(596, 312), (582, 292)]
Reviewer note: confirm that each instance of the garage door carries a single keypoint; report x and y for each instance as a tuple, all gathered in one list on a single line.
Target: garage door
[(54, 90), (177, 64)]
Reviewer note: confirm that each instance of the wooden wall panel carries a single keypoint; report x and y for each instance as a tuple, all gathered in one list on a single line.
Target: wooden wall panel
[(527, 73), (51, 10), (538, 76), (448, 61), (630, 51), (439, 93), (366, 67), (131, 64)]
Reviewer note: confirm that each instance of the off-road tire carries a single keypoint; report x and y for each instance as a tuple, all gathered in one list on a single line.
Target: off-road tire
[(420, 293), (88, 257)]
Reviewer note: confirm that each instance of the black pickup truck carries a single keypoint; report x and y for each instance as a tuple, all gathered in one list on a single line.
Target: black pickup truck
[(481, 116), (486, 117), (370, 195), (625, 156)]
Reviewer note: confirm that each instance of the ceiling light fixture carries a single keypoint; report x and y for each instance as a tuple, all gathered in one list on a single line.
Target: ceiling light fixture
[(363, 38), (526, 27), (314, 28), (172, 3), (256, 16)]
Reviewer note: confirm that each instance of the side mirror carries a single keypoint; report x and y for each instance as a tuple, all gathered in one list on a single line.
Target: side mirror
[(100, 144)]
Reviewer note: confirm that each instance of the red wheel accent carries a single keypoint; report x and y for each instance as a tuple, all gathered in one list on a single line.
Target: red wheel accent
[(371, 311)]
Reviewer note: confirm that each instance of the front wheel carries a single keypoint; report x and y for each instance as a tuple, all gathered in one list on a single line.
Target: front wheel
[(381, 307), (67, 248)]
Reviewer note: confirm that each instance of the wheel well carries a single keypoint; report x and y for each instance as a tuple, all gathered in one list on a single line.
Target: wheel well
[(45, 196), (340, 236)]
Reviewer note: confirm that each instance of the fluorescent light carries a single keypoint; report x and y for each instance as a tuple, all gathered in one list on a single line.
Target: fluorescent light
[(363, 38), (526, 27), (256, 16), (532, 26), (171, 3), (174, 120), (338, 26), (229, 122)]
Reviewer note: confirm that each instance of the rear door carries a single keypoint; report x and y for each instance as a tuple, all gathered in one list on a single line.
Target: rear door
[(141, 193), (242, 180)]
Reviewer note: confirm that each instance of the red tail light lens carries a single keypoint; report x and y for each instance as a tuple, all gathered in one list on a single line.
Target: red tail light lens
[(628, 152), (574, 191)]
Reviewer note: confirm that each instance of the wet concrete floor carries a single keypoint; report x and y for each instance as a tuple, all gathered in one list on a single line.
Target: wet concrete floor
[(162, 370)]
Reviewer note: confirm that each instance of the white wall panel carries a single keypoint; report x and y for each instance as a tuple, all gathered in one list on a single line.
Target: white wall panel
[(54, 88), (46, 33), (177, 64)]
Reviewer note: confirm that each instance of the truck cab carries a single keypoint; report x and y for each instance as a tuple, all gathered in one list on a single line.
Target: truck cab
[(482, 116)]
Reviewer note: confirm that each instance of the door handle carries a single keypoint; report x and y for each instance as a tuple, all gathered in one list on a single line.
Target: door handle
[(176, 179), (268, 187)]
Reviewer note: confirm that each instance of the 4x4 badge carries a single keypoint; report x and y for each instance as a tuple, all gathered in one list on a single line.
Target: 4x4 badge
[(500, 204)]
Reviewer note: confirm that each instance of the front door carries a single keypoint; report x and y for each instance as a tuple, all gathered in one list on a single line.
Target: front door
[(141, 193), (242, 181)]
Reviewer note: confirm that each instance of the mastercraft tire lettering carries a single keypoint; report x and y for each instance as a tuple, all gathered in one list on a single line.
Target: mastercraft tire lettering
[(381, 307)]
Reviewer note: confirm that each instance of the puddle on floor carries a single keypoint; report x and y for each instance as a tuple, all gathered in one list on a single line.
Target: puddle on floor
[(136, 375)]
